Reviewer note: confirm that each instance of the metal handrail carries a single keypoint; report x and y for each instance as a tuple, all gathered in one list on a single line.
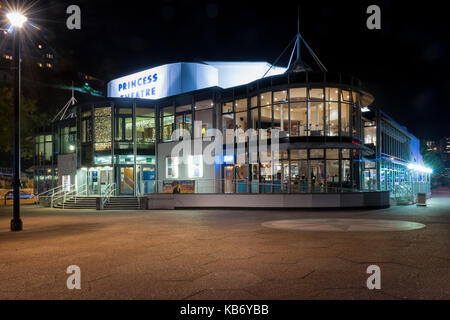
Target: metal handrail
[(83, 190), (51, 190), (63, 196), (109, 191)]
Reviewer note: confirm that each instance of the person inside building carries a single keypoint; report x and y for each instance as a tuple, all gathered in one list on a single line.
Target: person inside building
[(177, 188)]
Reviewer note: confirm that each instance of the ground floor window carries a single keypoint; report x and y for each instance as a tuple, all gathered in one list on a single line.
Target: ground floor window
[(303, 170)]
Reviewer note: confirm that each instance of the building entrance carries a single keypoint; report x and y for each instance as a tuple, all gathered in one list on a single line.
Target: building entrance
[(96, 179), (145, 176), (126, 180)]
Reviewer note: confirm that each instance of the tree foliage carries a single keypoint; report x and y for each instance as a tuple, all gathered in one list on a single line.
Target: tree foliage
[(29, 121)]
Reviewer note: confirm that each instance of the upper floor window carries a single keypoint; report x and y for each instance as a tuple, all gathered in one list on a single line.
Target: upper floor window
[(167, 123), (145, 125), (204, 112), (183, 119), (298, 94), (266, 98)]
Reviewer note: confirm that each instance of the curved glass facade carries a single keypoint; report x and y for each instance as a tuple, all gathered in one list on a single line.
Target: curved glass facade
[(324, 139)]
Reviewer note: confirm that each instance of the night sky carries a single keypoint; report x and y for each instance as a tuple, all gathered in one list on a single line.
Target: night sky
[(404, 64)]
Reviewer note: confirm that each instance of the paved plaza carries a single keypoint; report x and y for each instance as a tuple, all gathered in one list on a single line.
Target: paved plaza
[(228, 254)]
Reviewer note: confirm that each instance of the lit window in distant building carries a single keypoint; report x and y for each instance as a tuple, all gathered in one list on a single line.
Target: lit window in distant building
[(49, 56), (49, 65), (40, 46), (40, 65), (8, 57)]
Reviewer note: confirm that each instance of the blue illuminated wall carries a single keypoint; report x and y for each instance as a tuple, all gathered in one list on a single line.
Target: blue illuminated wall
[(176, 78)]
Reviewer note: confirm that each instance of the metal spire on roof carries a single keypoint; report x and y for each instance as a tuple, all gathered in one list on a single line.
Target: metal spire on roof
[(72, 101), (299, 65)]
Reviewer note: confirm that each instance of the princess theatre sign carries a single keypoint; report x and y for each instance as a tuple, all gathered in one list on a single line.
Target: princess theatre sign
[(176, 78)]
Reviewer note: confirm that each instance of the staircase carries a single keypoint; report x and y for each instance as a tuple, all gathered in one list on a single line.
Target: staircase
[(122, 203), (78, 203), (114, 203)]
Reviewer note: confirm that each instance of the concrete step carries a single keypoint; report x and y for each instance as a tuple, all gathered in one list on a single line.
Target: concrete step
[(78, 203), (122, 203), (114, 203)]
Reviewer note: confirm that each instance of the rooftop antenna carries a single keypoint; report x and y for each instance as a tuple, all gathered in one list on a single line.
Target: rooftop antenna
[(298, 39), (72, 101)]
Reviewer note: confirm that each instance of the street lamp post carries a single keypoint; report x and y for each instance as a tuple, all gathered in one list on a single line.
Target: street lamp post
[(17, 20)]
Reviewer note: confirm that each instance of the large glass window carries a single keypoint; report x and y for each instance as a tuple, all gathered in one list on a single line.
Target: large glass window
[(332, 118), (128, 128), (346, 175), (204, 113), (183, 120), (316, 112), (281, 118), (254, 102), (68, 142), (345, 96), (280, 96), (317, 174), (345, 119), (254, 118), (145, 125), (241, 105), (227, 107), (266, 121), (316, 94), (316, 154), (316, 118), (332, 94), (332, 167), (241, 125), (124, 125), (266, 98), (370, 135), (86, 127), (228, 122), (298, 94), (299, 119), (48, 148), (227, 117), (44, 149), (167, 123), (356, 97), (299, 154)]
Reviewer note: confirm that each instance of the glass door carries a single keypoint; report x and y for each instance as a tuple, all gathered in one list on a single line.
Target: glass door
[(126, 180), (146, 179), (106, 177), (229, 177)]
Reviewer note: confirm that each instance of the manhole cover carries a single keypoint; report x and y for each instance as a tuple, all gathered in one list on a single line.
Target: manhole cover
[(343, 225)]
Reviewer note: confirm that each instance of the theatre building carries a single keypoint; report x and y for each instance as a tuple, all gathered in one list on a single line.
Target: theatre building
[(335, 149)]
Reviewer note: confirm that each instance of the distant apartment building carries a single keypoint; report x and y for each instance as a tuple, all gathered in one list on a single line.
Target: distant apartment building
[(444, 148), (431, 145)]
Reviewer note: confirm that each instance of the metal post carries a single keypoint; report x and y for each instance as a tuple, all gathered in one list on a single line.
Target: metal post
[(298, 33), (16, 222)]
